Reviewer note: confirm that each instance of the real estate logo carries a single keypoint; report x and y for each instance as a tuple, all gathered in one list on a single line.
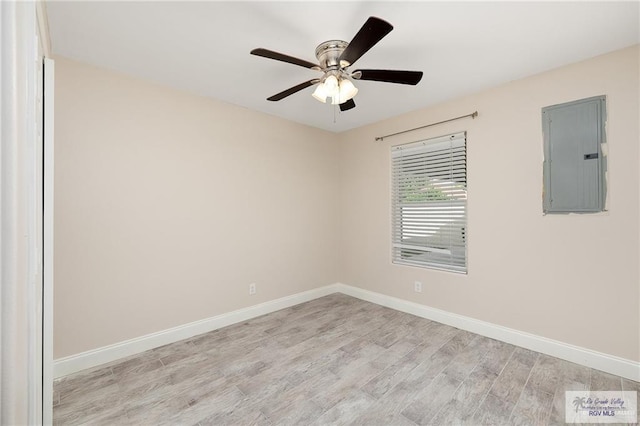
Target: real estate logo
[(601, 407)]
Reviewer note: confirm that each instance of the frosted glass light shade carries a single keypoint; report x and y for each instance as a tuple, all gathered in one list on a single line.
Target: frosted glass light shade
[(347, 90), (320, 93), (331, 84)]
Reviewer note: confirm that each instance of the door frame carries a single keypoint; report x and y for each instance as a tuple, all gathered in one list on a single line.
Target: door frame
[(47, 242)]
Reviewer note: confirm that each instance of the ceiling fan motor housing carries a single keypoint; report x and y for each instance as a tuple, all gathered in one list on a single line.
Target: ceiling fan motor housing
[(328, 54)]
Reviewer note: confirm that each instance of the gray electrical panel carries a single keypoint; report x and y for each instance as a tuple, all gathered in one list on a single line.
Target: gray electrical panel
[(574, 167)]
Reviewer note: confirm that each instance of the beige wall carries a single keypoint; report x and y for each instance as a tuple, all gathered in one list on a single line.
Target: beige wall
[(572, 278), (168, 205)]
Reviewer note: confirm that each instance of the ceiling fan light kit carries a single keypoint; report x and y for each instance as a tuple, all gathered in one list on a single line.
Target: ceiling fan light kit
[(339, 91), (335, 57)]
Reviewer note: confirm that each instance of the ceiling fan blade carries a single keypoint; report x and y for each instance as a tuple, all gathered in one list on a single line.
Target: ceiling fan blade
[(371, 32), (265, 53), (346, 106), (292, 90), (389, 76)]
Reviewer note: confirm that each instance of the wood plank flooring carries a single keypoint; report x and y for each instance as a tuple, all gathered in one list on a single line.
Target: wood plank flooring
[(335, 360)]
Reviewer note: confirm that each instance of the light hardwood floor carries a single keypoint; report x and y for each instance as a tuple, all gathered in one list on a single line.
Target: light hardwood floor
[(334, 360)]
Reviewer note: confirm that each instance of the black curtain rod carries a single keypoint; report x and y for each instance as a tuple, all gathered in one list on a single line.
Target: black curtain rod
[(472, 115)]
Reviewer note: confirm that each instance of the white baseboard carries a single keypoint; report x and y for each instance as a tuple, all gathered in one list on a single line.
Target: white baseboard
[(93, 358), (600, 361), (587, 357)]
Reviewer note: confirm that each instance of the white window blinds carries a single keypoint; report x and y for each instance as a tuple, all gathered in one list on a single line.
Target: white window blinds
[(429, 203)]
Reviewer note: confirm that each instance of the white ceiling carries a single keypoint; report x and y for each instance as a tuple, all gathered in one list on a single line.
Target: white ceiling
[(462, 47)]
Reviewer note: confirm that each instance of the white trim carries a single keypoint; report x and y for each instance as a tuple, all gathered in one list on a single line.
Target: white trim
[(47, 230), (597, 360), (93, 358), (30, 172), (587, 357), (43, 27), (20, 217)]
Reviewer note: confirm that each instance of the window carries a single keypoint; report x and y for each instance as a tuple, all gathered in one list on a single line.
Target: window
[(429, 203), (574, 167)]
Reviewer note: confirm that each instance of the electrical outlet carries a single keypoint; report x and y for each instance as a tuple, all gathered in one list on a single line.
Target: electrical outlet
[(252, 288), (417, 287)]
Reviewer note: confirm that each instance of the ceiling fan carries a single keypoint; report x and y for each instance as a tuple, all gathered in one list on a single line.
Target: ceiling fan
[(335, 57)]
